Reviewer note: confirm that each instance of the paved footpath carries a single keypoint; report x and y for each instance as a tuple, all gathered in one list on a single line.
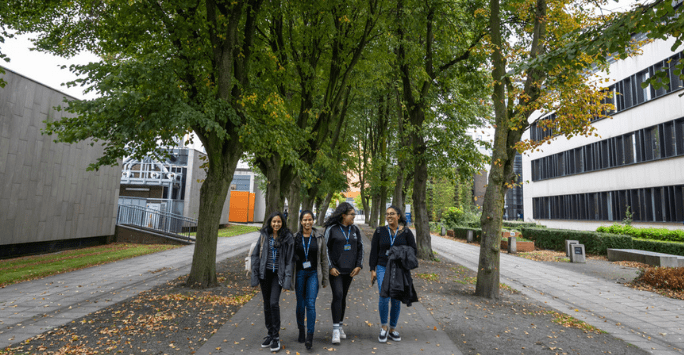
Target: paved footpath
[(31, 308), (645, 319), (245, 331)]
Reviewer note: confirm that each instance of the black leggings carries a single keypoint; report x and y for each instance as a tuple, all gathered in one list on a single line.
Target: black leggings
[(340, 286), (270, 290)]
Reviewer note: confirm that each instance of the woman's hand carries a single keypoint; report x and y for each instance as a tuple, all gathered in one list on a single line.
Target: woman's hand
[(355, 272), (334, 272), (374, 276)]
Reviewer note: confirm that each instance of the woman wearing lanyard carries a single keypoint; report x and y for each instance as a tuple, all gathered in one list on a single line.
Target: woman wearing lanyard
[(310, 254), (345, 252), (272, 269), (384, 238)]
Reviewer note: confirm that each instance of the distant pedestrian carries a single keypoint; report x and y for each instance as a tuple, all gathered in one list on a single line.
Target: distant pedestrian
[(272, 266), (345, 252), (311, 254), (394, 234), (285, 214)]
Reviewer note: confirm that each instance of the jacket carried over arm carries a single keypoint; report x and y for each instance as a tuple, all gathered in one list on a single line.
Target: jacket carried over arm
[(398, 283), (285, 260)]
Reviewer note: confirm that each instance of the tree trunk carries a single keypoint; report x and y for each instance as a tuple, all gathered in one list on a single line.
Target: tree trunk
[(308, 200), (293, 201), (212, 198), (366, 205), (383, 196), (375, 208), (422, 225), (274, 196), (324, 209)]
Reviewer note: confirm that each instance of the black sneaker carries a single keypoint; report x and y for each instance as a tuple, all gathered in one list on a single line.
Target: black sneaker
[(394, 335), (275, 345), (267, 342), (309, 341), (383, 336)]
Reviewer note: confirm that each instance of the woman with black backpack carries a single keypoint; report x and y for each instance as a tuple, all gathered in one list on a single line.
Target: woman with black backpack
[(345, 252), (272, 267)]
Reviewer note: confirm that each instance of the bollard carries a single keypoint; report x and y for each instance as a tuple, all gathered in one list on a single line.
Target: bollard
[(442, 231), (568, 251), (511, 245), (469, 236)]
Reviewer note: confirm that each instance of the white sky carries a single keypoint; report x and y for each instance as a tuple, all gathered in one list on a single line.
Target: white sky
[(44, 68)]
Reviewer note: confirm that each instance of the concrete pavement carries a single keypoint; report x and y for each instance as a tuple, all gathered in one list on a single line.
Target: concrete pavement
[(645, 319), (418, 328), (31, 308)]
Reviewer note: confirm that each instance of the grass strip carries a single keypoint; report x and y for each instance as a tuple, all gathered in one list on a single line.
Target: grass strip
[(60, 265), (37, 259), (234, 229)]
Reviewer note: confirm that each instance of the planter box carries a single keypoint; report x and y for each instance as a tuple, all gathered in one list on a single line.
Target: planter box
[(520, 247), (450, 233)]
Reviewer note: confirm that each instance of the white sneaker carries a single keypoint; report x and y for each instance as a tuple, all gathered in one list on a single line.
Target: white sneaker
[(342, 335), (336, 337), (383, 336)]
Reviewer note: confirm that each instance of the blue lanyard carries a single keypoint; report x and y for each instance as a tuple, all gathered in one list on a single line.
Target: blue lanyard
[(391, 237), (306, 247), (346, 235), (273, 252)]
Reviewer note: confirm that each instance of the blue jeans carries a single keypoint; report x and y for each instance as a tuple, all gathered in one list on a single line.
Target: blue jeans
[(383, 304), (307, 291)]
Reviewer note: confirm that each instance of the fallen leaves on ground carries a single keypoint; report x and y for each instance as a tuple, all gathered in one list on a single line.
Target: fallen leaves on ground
[(170, 317)]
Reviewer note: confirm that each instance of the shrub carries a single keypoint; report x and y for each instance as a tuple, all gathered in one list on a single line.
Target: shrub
[(671, 278), (461, 232), (452, 216), (658, 246), (435, 227), (663, 234), (594, 242)]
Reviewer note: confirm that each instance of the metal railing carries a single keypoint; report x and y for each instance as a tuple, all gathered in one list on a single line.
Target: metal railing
[(158, 220)]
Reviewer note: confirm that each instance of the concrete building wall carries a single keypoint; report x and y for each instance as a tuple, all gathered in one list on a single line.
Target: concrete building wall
[(656, 173), (46, 194)]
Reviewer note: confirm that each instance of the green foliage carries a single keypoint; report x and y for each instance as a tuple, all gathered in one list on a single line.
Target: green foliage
[(519, 225), (658, 246), (661, 234), (443, 192), (453, 216), (628, 216), (594, 242)]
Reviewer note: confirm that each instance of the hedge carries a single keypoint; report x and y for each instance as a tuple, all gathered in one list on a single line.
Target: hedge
[(462, 233), (517, 225), (663, 234), (658, 246), (594, 242)]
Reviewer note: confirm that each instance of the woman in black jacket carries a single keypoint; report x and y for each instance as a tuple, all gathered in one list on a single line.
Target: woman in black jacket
[(394, 234), (345, 253), (272, 264), (311, 255)]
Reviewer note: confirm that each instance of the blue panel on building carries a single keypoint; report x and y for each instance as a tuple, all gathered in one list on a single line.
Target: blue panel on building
[(241, 182)]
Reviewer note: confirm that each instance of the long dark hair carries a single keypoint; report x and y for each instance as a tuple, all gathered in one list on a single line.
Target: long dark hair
[(269, 230), (301, 217), (336, 217), (402, 217)]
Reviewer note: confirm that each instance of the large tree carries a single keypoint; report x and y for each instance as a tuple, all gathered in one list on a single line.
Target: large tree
[(543, 55), (167, 68), (319, 43), (438, 69)]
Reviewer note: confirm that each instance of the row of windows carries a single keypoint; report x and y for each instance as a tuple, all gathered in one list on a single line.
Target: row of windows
[(657, 142), (653, 204), (628, 92)]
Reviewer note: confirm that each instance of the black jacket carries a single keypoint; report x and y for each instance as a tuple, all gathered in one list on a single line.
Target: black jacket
[(344, 261), (285, 260), (398, 283)]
